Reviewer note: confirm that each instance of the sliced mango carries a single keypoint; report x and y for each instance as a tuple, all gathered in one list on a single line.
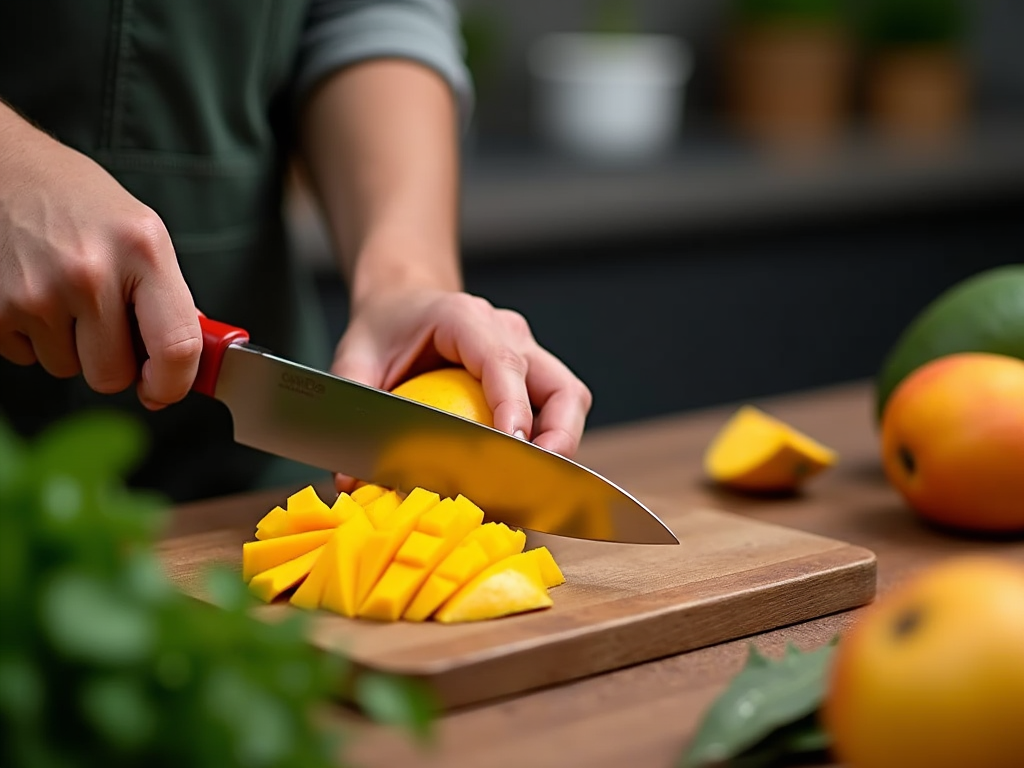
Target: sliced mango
[(259, 556), (511, 585), (273, 524), (308, 512), (437, 532), (271, 583), (550, 574), (310, 592), (757, 452), (381, 511), (364, 494), (412, 556), (483, 546), (381, 546), (342, 564)]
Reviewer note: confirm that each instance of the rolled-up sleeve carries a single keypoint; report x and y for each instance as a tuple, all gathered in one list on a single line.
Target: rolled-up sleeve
[(338, 33)]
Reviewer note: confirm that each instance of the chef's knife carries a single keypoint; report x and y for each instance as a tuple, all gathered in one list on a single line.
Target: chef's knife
[(338, 425)]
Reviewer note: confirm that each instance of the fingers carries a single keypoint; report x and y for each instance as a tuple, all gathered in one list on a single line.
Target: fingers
[(16, 347), (490, 344), (168, 322), (564, 403), (53, 344), (104, 345)]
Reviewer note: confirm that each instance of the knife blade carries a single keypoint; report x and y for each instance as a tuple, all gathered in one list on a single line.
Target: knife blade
[(315, 418)]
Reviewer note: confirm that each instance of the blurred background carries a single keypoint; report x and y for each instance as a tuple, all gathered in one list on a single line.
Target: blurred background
[(716, 200)]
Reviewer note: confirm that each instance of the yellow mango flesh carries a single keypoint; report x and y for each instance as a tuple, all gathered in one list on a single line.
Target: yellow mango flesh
[(364, 494), (273, 524), (487, 544), (757, 452), (342, 562), (511, 585), (311, 590), (437, 532), (381, 546), (269, 584), (308, 512), (550, 574), (413, 556), (259, 556)]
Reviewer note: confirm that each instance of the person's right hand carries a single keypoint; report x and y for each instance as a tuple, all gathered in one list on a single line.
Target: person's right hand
[(77, 253)]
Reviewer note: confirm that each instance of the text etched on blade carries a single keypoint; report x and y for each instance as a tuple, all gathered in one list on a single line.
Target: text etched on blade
[(302, 385)]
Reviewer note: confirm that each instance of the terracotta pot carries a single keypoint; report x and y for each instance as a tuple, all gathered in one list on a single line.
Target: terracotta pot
[(918, 96), (789, 86)]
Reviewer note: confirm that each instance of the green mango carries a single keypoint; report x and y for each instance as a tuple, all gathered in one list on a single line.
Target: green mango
[(984, 313)]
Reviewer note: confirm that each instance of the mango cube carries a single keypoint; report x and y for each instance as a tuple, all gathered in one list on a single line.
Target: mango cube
[(487, 544), (511, 585), (341, 562), (259, 556), (271, 583), (438, 531), (364, 494)]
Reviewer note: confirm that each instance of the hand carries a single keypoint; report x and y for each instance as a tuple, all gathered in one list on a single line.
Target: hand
[(403, 332), (76, 252)]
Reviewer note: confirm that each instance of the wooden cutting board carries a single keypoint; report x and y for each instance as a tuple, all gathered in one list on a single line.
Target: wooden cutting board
[(622, 604)]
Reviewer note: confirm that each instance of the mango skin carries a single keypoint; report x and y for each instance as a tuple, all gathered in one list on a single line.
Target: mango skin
[(984, 313), (953, 442)]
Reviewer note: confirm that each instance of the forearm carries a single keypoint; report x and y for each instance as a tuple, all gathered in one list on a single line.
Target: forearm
[(380, 142)]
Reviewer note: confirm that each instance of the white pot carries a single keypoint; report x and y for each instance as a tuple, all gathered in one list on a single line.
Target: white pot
[(609, 97)]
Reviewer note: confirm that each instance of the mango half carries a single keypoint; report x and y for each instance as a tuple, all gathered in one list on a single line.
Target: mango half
[(381, 555)]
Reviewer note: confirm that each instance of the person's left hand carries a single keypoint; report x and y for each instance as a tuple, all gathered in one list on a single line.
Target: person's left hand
[(532, 393)]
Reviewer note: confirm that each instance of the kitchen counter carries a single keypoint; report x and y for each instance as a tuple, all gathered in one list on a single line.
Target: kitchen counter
[(645, 715)]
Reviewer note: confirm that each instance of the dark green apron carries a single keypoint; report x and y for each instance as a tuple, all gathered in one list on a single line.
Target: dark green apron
[(185, 102)]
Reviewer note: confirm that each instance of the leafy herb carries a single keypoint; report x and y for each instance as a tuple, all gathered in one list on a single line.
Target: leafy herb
[(768, 712), (103, 662)]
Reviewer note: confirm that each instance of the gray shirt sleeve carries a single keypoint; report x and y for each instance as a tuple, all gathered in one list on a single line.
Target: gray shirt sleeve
[(342, 32)]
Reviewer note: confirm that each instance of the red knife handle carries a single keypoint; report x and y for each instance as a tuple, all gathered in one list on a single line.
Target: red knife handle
[(217, 337)]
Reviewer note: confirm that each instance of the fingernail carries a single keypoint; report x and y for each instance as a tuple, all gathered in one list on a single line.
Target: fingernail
[(519, 434)]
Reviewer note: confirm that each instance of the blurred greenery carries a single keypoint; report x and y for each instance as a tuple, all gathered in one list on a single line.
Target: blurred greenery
[(901, 23), (104, 662), (790, 11)]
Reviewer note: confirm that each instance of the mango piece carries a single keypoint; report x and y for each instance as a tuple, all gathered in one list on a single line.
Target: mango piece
[(311, 590), (259, 556), (511, 585), (341, 562), (308, 512), (344, 507), (437, 532), (381, 510), (273, 524), (483, 546), (550, 573), (381, 545), (269, 584), (757, 452), (364, 494)]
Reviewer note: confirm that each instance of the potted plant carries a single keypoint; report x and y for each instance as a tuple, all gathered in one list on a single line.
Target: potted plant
[(917, 81), (610, 94), (787, 69)]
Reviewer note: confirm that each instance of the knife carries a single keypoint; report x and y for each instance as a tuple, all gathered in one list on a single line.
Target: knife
[(332, 423)]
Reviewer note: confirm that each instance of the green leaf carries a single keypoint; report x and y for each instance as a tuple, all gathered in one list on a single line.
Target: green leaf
[(90, 620), (397, 700), (119, 709), (21, 688), (92, 445), (764, 697)]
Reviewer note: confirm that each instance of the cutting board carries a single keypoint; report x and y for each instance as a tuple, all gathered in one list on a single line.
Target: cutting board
[(622, 604)]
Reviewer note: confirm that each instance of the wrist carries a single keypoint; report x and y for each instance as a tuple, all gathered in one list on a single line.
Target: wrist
[(397, 269)]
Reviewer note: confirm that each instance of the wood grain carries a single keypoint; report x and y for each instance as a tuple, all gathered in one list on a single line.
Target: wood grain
[(621, 604)]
